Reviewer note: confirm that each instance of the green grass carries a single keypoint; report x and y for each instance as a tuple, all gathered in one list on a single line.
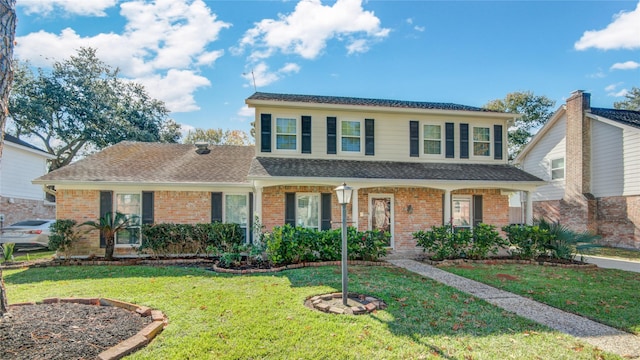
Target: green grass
[(615, 253), (33, 255), (215, 316), (608, 296)]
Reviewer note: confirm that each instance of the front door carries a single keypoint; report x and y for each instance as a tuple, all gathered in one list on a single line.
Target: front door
[(381, 213)]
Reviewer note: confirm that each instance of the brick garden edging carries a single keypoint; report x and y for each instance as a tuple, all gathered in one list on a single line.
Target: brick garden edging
[(158, 322), (301, 265)]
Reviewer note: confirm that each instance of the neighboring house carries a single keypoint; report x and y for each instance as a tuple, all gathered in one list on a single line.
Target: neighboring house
[(591, 160), (19, 199), (412, 165)]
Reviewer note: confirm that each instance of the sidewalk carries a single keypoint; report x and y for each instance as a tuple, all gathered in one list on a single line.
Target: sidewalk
[(602, 336)]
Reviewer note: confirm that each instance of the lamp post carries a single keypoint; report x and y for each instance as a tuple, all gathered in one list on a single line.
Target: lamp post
[(343, 192)]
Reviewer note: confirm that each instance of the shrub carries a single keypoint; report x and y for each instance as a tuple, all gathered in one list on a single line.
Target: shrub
[(7, 251), (485, 240), (168, 238), (444, 242), (562, 242), (64, 233)]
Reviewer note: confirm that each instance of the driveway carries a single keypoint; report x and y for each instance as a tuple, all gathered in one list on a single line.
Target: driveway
[(609, 263)]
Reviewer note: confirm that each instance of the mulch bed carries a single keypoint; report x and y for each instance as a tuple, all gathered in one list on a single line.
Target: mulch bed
[(65, 330)]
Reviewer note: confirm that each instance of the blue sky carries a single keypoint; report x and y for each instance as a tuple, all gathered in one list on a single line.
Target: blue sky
[(199, 56)]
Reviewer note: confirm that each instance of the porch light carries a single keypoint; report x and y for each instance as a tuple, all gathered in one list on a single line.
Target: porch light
[(343, 192)]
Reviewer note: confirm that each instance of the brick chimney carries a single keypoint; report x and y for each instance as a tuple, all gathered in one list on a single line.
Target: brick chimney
[(578, 200)]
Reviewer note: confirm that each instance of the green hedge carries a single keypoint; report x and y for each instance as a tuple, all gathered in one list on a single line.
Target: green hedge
[(168, 238), (290, 245)]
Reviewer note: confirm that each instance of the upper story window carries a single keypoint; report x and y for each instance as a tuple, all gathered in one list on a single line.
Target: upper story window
[(557, 169), (432, 135), (481, 141), (286, 134), (350, 136)]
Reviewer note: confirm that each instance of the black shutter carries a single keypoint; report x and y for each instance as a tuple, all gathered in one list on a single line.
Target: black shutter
[(477, 210), (290, 209), (265, 132), (250, 222), (306, 134), (464, 141), (449, 142), (326, 211), (331, 135), (497, 142), (216, 207), (106, 206), (147, 207), (414, 138), (369, 137)]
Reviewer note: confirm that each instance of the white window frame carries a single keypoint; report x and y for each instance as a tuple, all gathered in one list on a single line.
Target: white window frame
[(296, 134), (423, 139), (465, 198), (319, 209), (139, 218), (372, 196), (474, 141), (552, 169), (340, 136), (225, 215)]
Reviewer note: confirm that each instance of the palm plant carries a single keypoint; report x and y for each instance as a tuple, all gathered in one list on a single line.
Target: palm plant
[(562, 242), (109, 225)]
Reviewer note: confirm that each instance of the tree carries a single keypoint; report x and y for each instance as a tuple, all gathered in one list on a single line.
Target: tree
[(8, 34), (632, 101), (217, 137), (536, 111), (109, 225), (82, 105)]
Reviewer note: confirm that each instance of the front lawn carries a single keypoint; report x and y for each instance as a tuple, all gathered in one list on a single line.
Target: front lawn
[(214, 316), (608, 296)]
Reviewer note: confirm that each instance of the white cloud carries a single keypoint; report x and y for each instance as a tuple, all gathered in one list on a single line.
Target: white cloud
[(306, 31), (68, 7), (246, 111), (162, 44), (612, 90), (419, 28), (612, 87), (622, 33), (261, 75), (620, 93), (627, 65)]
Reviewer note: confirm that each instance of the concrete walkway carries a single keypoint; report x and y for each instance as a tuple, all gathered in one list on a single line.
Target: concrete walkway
[(602, 336)]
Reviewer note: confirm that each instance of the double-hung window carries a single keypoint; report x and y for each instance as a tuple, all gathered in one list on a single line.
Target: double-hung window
[(236, 210), (481, 141), (308, 210), (350, 136), (286, 134), (557, 169), (432, 135), (130, 205)]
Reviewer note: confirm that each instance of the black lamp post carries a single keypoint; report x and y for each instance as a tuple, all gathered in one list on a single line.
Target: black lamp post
[(343, 192)]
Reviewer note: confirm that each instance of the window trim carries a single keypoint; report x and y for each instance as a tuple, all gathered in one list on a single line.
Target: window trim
[(224, 210), (319, 209), (422, 139), (468, 198), (474, 141), (551, 168), (297, 134), (139, 225), (361, 137)]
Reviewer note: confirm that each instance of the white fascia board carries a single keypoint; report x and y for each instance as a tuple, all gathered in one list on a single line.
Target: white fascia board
[(379, 109), (158, 186), (612, 122), (41, 153)]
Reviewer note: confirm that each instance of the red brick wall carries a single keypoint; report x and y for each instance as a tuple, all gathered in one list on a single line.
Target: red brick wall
[(81, 206), (15, 209), (182, 207)]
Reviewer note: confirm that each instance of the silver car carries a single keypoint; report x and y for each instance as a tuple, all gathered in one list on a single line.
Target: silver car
[(28, 234)]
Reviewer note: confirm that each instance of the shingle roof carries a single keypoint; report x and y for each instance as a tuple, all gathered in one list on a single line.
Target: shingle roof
[(627, 117), (136, 162), (15, 140), (265, 167), (337, 100)]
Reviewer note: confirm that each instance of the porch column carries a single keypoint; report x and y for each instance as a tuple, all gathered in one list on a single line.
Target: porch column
[(257, 206), (529, 209), (355, 215), (447, 207)]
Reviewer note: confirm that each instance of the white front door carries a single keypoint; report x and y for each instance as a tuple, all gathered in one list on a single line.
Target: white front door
[(381, 213)]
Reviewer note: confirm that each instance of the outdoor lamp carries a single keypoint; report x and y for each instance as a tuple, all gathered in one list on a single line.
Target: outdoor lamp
[(343, 192)]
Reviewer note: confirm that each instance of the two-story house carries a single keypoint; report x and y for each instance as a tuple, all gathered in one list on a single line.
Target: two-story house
[(412, 165), (591, 159), (19, 199)]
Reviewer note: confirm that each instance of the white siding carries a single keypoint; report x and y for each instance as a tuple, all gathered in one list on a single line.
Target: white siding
[(17, 169), (607, 160), (631, 153), (538, 161), (391, 134)]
